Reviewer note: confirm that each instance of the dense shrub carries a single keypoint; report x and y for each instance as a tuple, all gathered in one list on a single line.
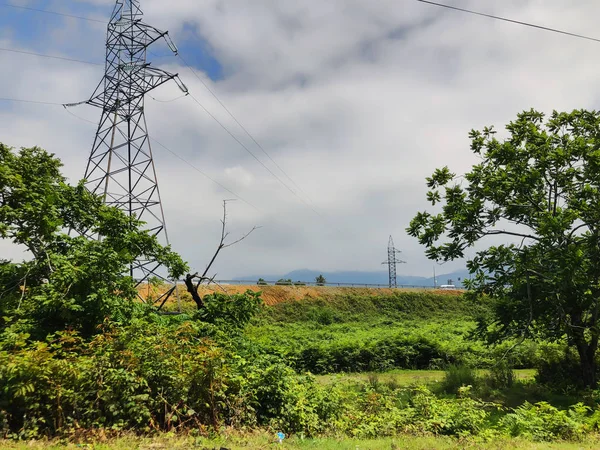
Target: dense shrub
[(544, 422), (232, 311), (457, 377), (375, 346), (405, 330), (151, 376), (500, 376), (560, 373), (362, 304), (460, 416), (377, 411)]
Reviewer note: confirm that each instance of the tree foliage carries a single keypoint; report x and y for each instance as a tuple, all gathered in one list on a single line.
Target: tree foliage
[(70, 281), (539, 189)]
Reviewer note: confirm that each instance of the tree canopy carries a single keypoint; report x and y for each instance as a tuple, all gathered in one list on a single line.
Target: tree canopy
[(71, 281), (540, 189)]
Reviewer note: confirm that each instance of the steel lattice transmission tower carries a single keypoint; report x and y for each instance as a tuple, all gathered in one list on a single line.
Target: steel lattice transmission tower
[(392, 261), (120, 167)]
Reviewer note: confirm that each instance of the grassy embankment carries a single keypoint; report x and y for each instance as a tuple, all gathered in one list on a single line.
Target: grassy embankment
[(371, 330), (401, 337)]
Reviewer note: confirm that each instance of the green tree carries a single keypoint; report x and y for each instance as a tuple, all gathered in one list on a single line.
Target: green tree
[(320, 280), (539, 189), (70, 281)]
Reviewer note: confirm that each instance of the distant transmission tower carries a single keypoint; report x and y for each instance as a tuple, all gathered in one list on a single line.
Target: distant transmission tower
[(392, 261), (120, 167)]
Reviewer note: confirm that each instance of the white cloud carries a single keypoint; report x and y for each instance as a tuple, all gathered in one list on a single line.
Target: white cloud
[(357, 101)]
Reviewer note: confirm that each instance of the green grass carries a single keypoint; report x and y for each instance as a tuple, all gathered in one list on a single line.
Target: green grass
[(398, 340), (380, 344), (403, 378), (403, 330), (263, 440), (364, 307)]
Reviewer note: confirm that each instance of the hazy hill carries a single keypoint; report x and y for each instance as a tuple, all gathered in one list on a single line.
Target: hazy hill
[(358, 277)]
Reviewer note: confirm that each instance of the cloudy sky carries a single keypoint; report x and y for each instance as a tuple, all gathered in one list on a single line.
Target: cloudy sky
[(357, 101)]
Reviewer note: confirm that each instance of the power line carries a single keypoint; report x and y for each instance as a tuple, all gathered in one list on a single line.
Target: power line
[(518, 22), (151, 138), (16, 100), (174, 154), (78, 117), (204, 174), (62, 58), (239, 124), (455, 8), (167, 101), (9, 5), (235, 138)]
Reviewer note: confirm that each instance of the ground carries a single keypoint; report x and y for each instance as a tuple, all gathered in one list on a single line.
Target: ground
[(406, 377)]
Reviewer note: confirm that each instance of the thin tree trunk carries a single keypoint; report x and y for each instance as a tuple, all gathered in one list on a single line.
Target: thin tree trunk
[(189, 284)]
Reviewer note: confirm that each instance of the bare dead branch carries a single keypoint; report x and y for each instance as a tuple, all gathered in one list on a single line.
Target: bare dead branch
[(254, 228), (199, 280)]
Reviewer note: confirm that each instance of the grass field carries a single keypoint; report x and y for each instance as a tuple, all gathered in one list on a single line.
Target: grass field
[(257, 441), (355, 332), (406, 377)]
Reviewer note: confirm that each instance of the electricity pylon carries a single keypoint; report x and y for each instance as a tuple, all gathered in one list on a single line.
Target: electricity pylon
[(120, 167), (392, 261)]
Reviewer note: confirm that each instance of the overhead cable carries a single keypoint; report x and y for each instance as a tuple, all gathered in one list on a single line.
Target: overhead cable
[(234, 137), (195, 74), (238, 123), (518, 22), (16, 100), (200, 104), (178, 157), (9, 5), (204, 174), (42, 55)]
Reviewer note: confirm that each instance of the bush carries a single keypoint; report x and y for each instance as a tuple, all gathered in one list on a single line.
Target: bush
[(232, 311), (500, 376), (154, 376), (543, 422), (562, 374), (458, 377), (450, 416), (286, 401)]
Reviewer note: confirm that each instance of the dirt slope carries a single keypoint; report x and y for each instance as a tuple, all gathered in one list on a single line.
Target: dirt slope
[(272, 295)]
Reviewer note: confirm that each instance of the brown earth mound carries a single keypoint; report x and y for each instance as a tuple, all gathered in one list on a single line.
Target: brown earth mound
[(272, 295)]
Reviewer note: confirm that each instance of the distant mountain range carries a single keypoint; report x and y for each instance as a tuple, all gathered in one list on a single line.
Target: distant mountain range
[(357, 277)]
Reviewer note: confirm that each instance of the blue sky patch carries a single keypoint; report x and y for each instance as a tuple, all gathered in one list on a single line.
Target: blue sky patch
[(49, 33)]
